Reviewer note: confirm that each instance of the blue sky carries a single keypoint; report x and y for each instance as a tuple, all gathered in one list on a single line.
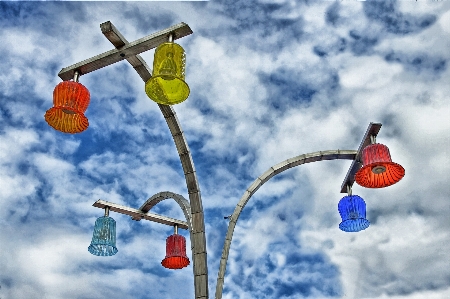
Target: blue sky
[(269, 80)]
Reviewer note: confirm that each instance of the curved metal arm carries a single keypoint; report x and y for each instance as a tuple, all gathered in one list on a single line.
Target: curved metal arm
[(198, 238), (271, 172), (180, 200)]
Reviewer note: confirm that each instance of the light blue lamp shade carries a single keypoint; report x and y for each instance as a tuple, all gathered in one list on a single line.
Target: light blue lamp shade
[(104, 238), (353, 213)]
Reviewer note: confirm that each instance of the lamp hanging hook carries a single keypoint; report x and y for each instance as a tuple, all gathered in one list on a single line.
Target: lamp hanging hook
[(76, 76), (349, 190), (175, 229), (170, 37), (106, 211), (373, 139)]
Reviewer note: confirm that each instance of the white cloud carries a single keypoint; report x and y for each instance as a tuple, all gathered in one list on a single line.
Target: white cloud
[(444, 21), (368, 73)]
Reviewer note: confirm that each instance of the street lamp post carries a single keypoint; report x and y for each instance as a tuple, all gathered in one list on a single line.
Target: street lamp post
[(378, 168)]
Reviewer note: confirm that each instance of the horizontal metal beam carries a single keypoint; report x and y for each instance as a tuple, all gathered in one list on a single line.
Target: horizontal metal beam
[(131, 49), (372, 130), (135, 213)]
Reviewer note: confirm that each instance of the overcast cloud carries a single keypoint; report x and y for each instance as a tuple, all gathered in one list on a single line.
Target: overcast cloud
[(269, 80)]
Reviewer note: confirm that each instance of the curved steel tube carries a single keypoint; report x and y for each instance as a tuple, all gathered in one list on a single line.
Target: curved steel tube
[(181, 201), (271, 172)]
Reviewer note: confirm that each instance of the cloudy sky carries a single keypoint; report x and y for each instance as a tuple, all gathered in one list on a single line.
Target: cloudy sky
[(269, 80)]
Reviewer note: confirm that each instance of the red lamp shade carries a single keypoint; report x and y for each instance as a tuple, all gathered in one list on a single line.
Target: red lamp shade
[(175, 253), (70, 101), (378, 170)]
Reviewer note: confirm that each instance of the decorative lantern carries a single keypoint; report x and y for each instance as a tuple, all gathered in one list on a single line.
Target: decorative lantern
[(378, 170), (353, 213), (175, 252), (167, 84), (70, 101), (104, 238)]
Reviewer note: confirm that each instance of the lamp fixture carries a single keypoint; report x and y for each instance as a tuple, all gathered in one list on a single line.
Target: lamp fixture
[(70, 101), (104, 238), (167, 85), (352, 209), (378, 170), (176, 257)]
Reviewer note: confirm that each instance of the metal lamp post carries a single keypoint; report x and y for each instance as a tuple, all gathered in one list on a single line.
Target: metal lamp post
[(168, 87), (194, 215)]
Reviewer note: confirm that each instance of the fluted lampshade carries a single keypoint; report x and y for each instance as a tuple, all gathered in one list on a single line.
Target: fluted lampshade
[(352, 209), (175, 253), (70, 101), (104, 238), (378, 170), (167, 84)]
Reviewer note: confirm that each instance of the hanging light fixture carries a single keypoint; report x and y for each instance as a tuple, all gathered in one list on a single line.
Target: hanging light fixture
[(352, 209), (104, 238), (167, 84), (176, 257), (378, 170), (70, 101)]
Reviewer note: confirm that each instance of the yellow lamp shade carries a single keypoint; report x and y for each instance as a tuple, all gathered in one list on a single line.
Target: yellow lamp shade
[(70, 101), (167, 84)]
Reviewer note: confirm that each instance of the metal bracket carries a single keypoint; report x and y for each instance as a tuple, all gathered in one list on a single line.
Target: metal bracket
[(135, 213), (371, 133)]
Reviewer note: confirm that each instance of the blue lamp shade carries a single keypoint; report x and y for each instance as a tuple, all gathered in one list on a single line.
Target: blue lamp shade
[(353, 213), (104, 238)]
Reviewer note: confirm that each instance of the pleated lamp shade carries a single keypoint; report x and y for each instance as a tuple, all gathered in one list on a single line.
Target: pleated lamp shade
[(167, 85), (70, 101), (352, 209), (378, 170), (104, 238), (176, 257)]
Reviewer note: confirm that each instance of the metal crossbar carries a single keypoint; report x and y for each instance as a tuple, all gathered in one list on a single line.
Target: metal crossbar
[(131, 49)]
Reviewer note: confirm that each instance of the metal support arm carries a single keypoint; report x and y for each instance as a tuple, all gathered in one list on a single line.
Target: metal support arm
[(270, 173), (370, 134), (139, 214)]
